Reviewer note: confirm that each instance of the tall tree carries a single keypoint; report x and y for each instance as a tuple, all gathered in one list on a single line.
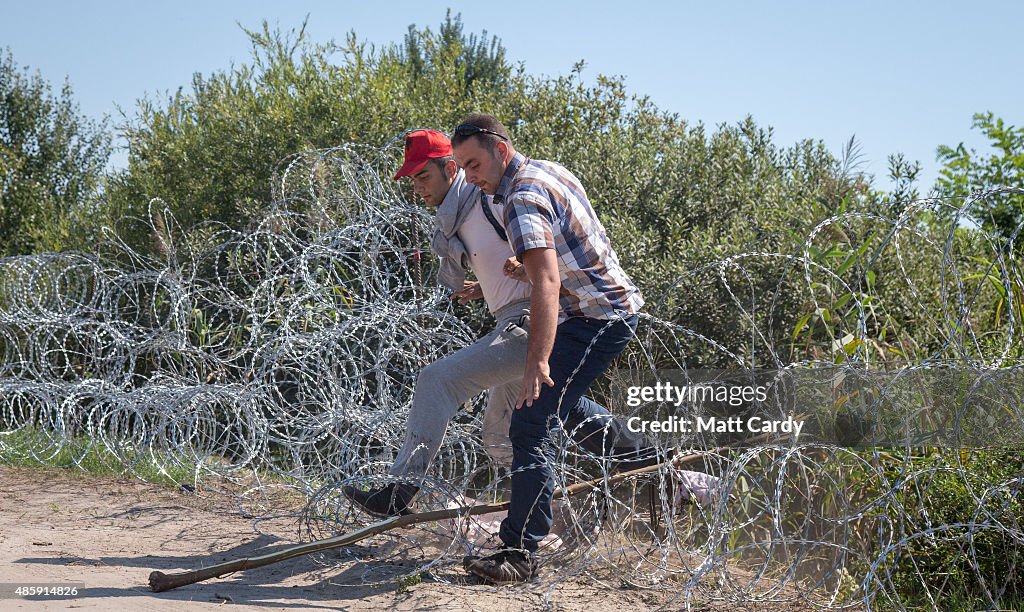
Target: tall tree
[(51, 162), (480, 59)]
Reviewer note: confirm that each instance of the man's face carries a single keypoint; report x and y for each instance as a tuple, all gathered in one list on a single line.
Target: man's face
[(483, 168), (432, 182)]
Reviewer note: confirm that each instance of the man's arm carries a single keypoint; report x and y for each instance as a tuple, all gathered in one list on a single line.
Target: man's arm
[(542, 268)]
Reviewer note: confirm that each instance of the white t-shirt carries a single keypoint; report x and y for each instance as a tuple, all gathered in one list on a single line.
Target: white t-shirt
[(488, 254)]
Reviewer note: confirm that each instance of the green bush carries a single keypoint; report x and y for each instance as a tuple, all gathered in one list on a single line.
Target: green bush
[(51, 164), (950, 560)]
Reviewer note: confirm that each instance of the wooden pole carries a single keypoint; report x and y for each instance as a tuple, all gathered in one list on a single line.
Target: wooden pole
[(159, 581)]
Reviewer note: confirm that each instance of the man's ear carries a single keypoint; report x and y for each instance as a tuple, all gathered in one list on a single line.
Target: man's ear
[(450, 169), (502, 149)]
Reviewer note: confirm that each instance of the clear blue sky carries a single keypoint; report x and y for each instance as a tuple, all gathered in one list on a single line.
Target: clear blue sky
[(904, 76)]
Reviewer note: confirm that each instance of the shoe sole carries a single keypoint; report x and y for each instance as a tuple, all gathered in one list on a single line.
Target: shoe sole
[(469, 565), (379, 515), (490, 580), (372, 513)]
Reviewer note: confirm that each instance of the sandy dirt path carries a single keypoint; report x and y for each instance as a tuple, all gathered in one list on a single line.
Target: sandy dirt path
[(60, 526)]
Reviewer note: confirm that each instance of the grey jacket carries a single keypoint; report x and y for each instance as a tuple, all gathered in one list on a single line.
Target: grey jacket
[(452, 212)]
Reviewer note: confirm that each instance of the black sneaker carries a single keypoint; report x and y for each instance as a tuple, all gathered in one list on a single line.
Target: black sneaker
[(507, 566), (392, 500)]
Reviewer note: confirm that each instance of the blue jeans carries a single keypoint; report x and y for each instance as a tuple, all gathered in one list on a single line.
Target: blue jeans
[(529, 516)]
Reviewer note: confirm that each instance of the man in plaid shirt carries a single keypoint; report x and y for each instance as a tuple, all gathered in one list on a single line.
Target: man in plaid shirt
[(582, 314)]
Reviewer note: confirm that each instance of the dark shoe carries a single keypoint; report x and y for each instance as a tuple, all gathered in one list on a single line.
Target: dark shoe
[(507, 566), (469, 560), (392, 500)]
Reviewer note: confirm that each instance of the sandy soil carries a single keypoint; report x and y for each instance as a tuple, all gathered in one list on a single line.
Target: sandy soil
[(60, 527)]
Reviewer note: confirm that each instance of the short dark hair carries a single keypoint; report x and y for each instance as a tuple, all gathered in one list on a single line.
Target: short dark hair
[(441, 162), (486, 122)]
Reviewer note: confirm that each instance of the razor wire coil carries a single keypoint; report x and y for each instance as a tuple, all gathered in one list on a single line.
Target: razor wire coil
[(288, 353)]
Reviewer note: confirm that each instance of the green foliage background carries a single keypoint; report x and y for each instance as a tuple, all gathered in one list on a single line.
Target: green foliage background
[(674, 196)]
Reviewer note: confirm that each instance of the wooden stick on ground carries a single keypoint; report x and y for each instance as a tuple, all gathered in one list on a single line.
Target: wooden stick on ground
[(159, 581)]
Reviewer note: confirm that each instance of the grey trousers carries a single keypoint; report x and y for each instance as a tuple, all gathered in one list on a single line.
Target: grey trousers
[(496, 363)]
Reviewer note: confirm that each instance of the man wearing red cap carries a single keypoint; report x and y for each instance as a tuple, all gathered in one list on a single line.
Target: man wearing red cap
[(466, 236)]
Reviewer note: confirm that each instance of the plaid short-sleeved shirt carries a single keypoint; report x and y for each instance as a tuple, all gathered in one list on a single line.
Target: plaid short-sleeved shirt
[(545, 206)]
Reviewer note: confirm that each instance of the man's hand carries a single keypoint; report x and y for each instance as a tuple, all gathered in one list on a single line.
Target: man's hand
[(516, 270), (536, 374), (470, 291)]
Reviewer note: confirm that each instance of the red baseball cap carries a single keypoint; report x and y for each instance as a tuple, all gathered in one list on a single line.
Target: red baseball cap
[(421, 146)]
